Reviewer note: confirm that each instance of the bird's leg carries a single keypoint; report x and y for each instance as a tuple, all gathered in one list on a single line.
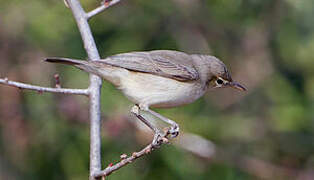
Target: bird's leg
[(158, 138), (174, 129)]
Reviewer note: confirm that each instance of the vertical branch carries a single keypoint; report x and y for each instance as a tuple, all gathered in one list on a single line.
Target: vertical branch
[(94, 88)]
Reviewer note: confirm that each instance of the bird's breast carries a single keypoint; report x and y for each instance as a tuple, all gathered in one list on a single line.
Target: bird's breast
[(157, 91)]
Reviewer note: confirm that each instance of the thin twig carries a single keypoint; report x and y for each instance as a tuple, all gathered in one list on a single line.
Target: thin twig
[(127, 160), (41, 89), (105, 4), (57, 78)]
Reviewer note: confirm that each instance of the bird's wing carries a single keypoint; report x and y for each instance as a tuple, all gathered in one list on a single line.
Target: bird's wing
[(171, 64)]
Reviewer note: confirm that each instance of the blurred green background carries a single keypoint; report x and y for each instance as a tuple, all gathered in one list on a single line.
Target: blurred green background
[(266, 133)]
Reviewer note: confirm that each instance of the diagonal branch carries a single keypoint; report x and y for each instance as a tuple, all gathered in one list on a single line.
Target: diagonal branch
[(104, 5), (41, 89), (127, 160)]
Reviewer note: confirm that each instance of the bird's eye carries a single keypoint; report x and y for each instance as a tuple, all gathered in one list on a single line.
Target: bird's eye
[(219, 81)]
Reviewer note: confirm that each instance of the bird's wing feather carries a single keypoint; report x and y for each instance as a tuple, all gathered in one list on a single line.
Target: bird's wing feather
[(171, 64)]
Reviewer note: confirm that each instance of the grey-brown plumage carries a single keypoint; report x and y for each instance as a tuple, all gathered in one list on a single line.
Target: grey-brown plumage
[(160, 78), (171, 64)]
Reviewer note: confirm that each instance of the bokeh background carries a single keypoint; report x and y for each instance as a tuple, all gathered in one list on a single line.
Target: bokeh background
[(265, 133)]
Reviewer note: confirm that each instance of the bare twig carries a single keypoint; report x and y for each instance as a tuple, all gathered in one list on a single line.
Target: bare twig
[(57, 78), (104, 5), (125, 160), (66, 3), (41, 89)]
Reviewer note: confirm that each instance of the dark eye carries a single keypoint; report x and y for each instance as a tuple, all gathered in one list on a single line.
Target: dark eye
[(219, 81)]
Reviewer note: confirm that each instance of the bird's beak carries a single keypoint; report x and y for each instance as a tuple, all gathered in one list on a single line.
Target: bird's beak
[(237, 86)]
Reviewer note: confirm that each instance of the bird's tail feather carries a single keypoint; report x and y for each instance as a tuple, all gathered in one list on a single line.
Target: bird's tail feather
[(108, 72), (64, 61)]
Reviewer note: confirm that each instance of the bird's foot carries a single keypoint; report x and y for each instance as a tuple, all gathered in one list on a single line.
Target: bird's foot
[(135, 110), (173, 131), (158, 140)]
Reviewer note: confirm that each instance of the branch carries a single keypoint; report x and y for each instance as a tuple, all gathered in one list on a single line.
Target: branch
[(105, 5), (81, 19), (41, 89), (127, 160)]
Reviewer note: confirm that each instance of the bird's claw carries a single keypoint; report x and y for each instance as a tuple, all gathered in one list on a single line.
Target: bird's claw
[(173, 131), (135, 110), (158, 140)]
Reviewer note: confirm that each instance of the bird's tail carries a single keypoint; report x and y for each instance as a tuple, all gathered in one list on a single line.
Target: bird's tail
[(64, 61), (108, 72)]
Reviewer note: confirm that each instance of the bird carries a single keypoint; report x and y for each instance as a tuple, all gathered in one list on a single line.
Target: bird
[(158, 79)]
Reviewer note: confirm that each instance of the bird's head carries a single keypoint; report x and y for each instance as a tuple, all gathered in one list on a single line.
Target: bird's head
[(220, 76), (217, 74)]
